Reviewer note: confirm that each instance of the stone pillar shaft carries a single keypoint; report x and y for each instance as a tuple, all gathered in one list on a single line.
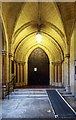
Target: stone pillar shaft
[(3, 67), (18, 72), (59, 73), (66, 73), (53, 74), (10, 75), (56, 73), (26, 73), (23, 72)]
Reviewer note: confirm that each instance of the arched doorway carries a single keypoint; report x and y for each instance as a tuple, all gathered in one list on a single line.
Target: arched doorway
[(38, 68)]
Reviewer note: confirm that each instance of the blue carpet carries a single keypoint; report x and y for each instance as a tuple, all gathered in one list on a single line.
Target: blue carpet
[(60, 107)]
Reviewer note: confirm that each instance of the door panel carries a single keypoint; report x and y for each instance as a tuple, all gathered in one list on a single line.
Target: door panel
[(38, 60)]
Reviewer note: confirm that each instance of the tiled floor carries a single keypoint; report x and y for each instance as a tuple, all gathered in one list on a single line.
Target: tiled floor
[(27, 104)]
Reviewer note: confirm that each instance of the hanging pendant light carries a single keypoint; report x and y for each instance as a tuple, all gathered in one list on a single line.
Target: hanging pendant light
[(38, 37)]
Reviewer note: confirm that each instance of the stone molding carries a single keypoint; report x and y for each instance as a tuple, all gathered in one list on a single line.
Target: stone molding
[(67, 55), (3, 52), (19, 62), (56, 63)]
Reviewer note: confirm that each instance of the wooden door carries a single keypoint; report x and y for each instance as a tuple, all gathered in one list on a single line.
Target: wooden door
[(38, 68)]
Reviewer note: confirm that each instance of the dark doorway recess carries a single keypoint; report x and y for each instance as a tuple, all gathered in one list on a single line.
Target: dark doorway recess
[(38, 68)]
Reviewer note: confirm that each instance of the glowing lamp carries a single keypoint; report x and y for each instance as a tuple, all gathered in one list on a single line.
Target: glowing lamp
[(38, 37)]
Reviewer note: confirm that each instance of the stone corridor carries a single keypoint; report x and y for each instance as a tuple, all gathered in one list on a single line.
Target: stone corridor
[(37, 48)]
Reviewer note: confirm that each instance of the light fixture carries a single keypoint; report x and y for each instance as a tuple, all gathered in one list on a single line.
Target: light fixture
[(35, 69), (38, 37)]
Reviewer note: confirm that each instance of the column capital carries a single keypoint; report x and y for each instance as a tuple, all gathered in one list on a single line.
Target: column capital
[(67, 55), (20, 62), (56, 63), (10, 54)]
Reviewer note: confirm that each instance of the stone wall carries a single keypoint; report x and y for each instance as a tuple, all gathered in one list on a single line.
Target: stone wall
[(0, 59), (72, 62)]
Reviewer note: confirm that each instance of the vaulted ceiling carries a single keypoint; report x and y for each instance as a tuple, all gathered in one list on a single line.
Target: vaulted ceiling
[(21, 19)]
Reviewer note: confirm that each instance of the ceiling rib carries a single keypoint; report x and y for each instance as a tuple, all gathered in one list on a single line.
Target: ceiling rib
[(35, 22), (47, 35)]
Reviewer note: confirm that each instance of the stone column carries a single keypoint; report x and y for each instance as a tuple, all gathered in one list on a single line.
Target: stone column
[(50, 77), (3, 74), (67, 72), (59, 74), (14, 67), (0, 59), (53, 74), (56, 74), (10, 75), (18, 72), (3, 67), (23, 72), (19, 68), (68, 86), (26, 73)]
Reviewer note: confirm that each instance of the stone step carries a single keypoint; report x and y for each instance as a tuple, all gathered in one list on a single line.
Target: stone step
[(68, 95), (30, 95), (29, 92), (27, 96), (23, 93)]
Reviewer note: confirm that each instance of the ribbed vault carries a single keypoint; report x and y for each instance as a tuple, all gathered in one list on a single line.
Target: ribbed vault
[(23, 25)]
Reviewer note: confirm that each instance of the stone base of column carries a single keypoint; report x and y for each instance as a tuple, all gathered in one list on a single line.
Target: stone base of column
[(3, 91), (56, 84), (60, 84), (68, 90), (50, 83), (53, 83)]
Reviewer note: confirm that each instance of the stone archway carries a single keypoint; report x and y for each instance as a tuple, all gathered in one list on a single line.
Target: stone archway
[(38, 68)]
